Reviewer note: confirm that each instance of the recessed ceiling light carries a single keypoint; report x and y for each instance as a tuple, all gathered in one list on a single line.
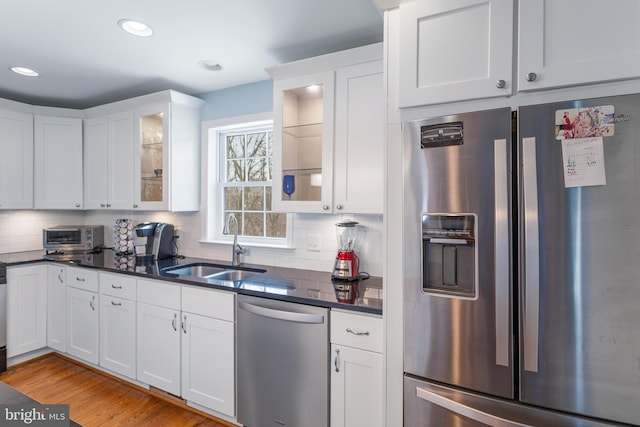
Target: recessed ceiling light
[(136, 28), (210, 65), (24, 71)]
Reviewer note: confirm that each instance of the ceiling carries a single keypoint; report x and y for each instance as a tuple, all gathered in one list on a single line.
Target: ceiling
[(85, 59)]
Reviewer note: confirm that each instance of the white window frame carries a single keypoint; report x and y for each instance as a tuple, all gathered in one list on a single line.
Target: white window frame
[(212, 193)]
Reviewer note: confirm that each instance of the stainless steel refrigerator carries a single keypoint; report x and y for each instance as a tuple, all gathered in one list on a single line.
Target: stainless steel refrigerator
[(522, 267)]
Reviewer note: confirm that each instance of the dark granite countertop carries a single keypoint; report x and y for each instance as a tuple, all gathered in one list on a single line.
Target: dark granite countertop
[(288, 284)]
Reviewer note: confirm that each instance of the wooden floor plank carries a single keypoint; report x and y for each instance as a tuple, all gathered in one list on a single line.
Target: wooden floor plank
[(97, 399)]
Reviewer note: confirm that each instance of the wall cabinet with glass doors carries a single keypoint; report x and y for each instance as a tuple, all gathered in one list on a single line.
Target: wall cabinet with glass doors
[(328, 131)]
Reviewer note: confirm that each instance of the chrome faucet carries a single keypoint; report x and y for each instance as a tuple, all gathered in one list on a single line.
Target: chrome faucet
[(236, 250)]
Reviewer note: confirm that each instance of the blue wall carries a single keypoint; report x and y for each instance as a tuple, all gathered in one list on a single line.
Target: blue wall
[(251, 98)]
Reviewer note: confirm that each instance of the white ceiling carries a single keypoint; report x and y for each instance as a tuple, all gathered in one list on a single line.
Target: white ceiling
[(85, 59)]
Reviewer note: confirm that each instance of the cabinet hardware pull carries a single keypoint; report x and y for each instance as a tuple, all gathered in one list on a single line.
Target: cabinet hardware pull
[(336, 361), (531, 77), (102, 205), (77, 205), (60, 277), (351, 331), (116, 286), (92, 303), (184, 324), (80, 279), (501, 84), (173, 322), (325, 207), (339, 207), (108, 205), (117, 304)]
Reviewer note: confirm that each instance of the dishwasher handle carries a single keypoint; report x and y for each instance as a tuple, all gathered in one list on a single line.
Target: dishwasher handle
[(289, 316)]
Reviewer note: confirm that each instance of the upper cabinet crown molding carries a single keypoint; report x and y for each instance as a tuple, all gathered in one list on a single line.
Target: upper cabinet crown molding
[(331, 61)]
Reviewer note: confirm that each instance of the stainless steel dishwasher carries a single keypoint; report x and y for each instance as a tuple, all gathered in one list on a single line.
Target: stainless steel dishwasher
[(283, 363)]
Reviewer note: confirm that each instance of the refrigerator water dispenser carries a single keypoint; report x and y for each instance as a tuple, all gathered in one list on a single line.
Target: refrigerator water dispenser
[(449, 255)]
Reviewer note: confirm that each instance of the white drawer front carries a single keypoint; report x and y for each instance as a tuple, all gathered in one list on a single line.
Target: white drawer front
[(356, 330), (158, 293), (82, 278), (118, 285), (210, 303)]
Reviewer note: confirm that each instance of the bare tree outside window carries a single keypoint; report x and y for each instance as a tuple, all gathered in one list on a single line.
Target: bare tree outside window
[(247, 183)]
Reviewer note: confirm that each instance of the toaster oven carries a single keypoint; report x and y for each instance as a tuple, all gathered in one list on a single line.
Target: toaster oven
[(72, 238)]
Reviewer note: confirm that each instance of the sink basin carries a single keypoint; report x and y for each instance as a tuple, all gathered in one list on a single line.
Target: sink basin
[(231, 275), (205, 270), (199, 270)]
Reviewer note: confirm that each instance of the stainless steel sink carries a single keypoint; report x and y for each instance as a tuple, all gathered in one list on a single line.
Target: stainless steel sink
[(199, 270), (212, 271), (231, 275)]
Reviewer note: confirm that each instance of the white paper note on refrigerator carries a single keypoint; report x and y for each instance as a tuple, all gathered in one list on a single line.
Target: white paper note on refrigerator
[(583, 162)]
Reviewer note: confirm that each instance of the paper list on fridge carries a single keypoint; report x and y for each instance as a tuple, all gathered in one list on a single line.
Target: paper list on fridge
[(583, 162)]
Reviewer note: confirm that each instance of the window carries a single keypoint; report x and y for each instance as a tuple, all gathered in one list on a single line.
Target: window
[(240, 173)]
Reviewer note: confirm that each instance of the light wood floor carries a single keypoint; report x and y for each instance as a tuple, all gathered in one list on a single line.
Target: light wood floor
[(98, 399)]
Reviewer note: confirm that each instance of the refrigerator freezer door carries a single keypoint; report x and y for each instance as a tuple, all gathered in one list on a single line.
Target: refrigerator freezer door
[(460, 338), (427, 404), (580, 294)]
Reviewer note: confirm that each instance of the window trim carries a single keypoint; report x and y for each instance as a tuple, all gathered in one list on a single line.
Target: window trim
[(212, 221)]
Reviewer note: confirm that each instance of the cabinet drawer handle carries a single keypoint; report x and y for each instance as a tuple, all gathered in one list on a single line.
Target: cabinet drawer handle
[(184, 324), (336, 361), (117, 304), (359, 333), (80, 279), (116, 286), (173, 322)]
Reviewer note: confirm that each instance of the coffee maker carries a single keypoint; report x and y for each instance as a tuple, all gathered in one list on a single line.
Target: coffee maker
[(154, 241)]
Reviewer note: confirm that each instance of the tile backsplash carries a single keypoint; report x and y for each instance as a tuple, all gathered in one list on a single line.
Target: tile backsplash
[(22, 231)]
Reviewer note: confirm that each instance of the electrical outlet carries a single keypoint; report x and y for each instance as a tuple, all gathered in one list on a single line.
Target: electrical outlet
[(313, 242)]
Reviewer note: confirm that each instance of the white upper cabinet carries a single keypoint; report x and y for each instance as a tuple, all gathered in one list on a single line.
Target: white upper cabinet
[(108, 161), (329, 133), (167, 152), (359, 149), (16, 160), (452, 50), (574, 42), (143, 153), (303, 143), (58, 162)]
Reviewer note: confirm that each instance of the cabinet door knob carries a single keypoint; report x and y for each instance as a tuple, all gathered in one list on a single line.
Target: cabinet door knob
[(108, 205), (501, 84), (77, 205), (325, 207), (102, 205), (135, 206), (531, 77), (339, 207)]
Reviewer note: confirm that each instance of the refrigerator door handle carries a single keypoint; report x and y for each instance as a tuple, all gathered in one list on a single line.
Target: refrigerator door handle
[(502, 294), (466, 411), (531, 306)]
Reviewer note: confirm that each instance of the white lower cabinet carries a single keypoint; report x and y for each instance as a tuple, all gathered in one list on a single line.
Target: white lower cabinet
[(208, 355), (57, 307), (118, 335), (118, 323), (158, 340), (83, 314), (26, 309), (356, 370)]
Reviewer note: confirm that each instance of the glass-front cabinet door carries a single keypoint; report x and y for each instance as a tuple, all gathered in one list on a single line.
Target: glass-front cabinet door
[(151, 157), (303, 143)]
